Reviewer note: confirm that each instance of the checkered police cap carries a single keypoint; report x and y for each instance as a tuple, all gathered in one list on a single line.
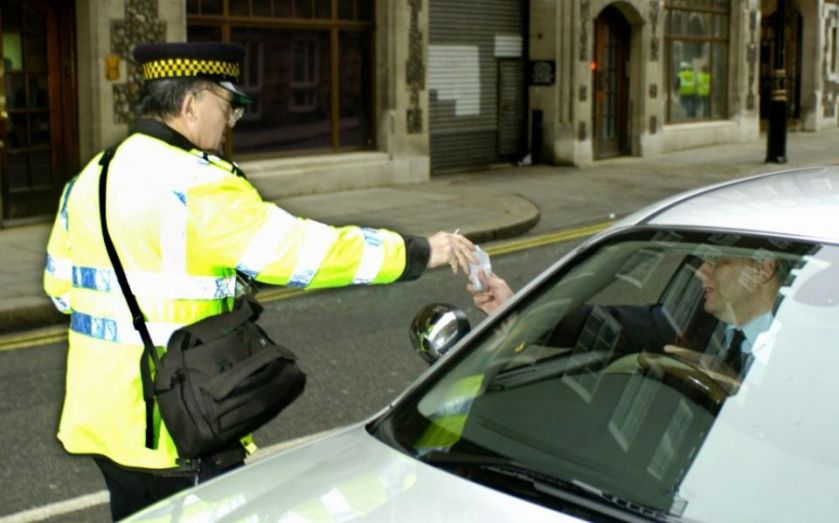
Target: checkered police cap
[(218, 62)]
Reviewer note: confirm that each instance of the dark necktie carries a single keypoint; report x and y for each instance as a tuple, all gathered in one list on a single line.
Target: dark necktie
[(733, 356)]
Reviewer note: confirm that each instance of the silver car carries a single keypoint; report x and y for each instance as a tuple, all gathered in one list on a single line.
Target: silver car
[(676, 367)]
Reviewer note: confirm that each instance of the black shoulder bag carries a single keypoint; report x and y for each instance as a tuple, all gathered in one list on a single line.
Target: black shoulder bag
[(220, 379)]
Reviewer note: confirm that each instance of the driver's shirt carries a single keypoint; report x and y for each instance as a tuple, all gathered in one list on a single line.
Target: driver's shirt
[(751, 330)]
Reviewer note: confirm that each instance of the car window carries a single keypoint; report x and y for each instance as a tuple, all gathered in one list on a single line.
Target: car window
[(665, 368)]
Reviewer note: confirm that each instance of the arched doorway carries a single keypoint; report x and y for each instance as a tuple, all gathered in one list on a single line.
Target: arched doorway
[(38, 150), (610, 84)]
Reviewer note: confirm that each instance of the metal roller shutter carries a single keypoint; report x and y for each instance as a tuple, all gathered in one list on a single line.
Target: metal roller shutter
[(475, 49)]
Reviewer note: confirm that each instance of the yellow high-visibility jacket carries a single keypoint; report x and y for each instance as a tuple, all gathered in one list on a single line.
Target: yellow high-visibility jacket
[(687, 82), (703, 84), (183, 222)]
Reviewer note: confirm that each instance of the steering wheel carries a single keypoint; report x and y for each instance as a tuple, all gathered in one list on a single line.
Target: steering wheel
[(661, 365)]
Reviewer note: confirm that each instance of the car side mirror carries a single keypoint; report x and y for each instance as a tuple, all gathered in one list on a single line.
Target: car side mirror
[(436, 329)]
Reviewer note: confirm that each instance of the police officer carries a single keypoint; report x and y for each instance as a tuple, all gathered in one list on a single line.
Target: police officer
[(686, 87), (703, 91), (184, 220)]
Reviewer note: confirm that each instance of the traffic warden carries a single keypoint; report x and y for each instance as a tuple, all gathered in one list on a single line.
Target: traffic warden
[(686, 87), (184, 220)]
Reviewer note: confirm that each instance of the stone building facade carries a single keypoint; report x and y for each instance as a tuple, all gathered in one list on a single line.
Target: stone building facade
[(359, 93)]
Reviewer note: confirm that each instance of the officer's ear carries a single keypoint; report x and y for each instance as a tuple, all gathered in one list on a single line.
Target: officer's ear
[(188, 106)]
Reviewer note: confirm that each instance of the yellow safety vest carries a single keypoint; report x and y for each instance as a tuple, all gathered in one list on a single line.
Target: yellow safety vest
[(182, 222), (687, 82), (703, 85)]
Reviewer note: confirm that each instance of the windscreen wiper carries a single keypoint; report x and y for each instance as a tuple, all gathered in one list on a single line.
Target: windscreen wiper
[(572, 491)]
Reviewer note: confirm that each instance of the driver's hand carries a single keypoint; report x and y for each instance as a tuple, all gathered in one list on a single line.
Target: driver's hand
[(496, 292)]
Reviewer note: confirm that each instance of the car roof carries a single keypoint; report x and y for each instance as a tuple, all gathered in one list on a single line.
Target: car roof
[(798, 203)]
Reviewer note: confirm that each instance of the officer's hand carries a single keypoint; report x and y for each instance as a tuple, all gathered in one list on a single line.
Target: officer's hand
[(496, 292), (453, 249)]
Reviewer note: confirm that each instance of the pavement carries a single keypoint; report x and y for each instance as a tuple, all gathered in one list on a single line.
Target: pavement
[(501, 202)]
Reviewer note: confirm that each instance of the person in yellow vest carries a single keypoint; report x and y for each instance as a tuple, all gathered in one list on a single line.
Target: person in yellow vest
[(703, 92), (184, 220), (686, 88)]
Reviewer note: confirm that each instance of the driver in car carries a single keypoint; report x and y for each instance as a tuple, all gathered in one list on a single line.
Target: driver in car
[(739, 292)]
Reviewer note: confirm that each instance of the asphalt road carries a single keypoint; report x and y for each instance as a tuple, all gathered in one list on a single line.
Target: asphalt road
[(353, 343)]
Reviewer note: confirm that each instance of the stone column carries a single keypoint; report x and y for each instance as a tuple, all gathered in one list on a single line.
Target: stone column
[(111, 29), (651, 108), (544, 45), (819, 80), (744, 69), (560, 31), (401, 84)]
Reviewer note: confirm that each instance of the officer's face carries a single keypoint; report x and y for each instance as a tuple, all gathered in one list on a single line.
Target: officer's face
[(215, 114)]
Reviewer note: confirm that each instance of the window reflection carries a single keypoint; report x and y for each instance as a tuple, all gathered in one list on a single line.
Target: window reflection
[(323, 8), (35, 52), (38, 92), (239, 8), (355, 89), (289, 74), (15, 91), (17, 166), (261, 7), (304, 74), (282, 8), (303, 8), (697, 35), (17, 134), (40, 130), (41, 169), (34, 20), (289, 71), (212, 7)]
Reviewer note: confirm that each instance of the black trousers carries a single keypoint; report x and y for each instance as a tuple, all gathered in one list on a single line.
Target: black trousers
[(132, 490)]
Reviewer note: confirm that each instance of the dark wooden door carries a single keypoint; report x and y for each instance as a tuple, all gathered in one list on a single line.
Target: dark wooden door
[(39, 150), (610, 133)]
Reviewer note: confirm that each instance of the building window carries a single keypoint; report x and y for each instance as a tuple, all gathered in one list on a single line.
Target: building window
[(832, 51), (697, 36), (308, 64), (304, 76)]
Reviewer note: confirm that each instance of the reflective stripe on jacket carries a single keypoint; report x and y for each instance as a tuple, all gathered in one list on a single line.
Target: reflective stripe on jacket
[(182, 222)]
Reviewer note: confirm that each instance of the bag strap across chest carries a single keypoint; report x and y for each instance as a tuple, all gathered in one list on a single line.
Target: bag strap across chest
[(149, 352)]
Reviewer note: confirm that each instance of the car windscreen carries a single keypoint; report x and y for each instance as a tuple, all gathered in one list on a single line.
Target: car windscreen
[(686, 374)]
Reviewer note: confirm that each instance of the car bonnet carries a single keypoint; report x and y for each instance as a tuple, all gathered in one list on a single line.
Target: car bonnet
[(345, 476)]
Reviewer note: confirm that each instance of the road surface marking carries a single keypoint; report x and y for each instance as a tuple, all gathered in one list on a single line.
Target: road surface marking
[(101, 497)]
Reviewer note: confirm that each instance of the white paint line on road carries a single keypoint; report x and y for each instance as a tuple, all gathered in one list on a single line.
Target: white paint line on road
[(87, 501), (58, 509)]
